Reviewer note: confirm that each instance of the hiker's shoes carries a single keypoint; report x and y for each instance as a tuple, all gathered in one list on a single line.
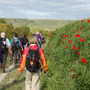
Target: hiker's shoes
[(3, 70), (11, 63)]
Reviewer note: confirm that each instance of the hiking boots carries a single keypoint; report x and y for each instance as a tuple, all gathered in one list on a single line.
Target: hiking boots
[(11, 63), (3, 70)]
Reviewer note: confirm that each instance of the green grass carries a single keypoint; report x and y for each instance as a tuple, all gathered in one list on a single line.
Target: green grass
[(46, 24), (62, 60), (12, 81)]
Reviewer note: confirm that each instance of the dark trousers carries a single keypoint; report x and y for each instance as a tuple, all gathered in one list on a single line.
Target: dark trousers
[(16, 55), (4, 59), (20, 52)]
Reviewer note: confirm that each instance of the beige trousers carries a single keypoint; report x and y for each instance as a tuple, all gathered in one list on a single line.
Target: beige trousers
[(32, 80)]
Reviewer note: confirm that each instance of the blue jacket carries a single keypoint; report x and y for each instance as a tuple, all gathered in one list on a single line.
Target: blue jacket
[(18, 42)]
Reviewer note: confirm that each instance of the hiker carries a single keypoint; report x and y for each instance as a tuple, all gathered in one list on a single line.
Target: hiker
[(20, 50), (4, 45), (15, 45), (32, 58), (43, 38), (39, 42), (39, 36), (25, 40), (1, 59)]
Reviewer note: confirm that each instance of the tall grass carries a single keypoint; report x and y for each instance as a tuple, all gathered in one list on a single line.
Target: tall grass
[(66, 70)]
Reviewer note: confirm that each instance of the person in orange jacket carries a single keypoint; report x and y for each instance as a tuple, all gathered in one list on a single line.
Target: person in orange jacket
[(33, 76)]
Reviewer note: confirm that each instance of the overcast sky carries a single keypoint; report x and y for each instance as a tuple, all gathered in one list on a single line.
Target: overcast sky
[(45, 9)]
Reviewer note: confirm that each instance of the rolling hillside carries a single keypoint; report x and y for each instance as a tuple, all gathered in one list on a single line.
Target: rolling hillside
[(46, 24)]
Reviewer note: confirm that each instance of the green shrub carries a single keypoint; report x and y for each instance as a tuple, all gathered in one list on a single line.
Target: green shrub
[(61, 60)]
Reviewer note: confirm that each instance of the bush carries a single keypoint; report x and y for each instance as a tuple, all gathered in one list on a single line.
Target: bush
[(66, 69), (2, 20)]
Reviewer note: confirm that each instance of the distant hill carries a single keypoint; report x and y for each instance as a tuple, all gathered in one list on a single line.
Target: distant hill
[(46, 24), (87, 18)]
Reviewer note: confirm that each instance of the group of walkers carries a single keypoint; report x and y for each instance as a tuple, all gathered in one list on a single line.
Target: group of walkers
[(30, 54)]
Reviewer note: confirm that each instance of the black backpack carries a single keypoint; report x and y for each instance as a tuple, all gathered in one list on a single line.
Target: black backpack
[(32, 60), (3, 45), (15, 45), (22, 40)]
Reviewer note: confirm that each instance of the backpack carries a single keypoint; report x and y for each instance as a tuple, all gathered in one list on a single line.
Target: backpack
[(3, 45), (25, 40), (22, 40), (15, 45), (32, 60)]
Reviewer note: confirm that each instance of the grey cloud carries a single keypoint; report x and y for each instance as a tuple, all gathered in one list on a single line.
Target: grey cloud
[(55, 9)]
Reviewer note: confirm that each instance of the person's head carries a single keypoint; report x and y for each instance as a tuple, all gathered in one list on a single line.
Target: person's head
[(25, 35), (40, 33), (20, 35), (2, 34), (37, 32), (33, 40), (34, 34), (16, 35)]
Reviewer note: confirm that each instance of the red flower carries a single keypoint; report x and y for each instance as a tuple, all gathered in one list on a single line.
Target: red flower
[(72, 70), (83, 60), (78, 53), (67, 47), (75, 63), (61, 34), (49, 45), (60, 41), (81, 39), (88, 21), (49, 36), (80, 28), (64, 39), (51, 50), (75, 26), (65, 35), (74, 76), (69, 42), (73, 29), (77, 35), (81, 20), (72, 40), (78, 31), (74, 47)]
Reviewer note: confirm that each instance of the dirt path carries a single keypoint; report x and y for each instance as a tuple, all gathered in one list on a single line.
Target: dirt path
[(2, 75)]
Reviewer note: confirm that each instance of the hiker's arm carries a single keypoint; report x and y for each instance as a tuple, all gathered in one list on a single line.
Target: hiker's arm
[(23, 60), (10, 50), (9, 45), (43, 59)]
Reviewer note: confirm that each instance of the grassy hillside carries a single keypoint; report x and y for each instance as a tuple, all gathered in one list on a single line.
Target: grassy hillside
[(46, 24), (68, 58)]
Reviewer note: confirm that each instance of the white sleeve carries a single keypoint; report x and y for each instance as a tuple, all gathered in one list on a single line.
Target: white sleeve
[(7, 42)]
